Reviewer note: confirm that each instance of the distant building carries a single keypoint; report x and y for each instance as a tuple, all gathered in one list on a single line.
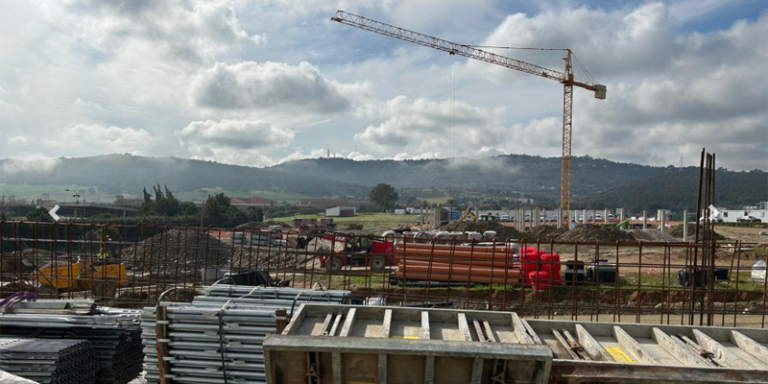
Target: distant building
[(323, 203), (732, 215), (340, 212), (245, 202)]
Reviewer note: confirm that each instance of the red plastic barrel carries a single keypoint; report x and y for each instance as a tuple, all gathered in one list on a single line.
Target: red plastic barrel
[(529, 261), (550, 262), (539, 280)]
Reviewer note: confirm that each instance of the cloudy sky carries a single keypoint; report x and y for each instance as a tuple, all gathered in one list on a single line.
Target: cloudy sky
[(260, 82)]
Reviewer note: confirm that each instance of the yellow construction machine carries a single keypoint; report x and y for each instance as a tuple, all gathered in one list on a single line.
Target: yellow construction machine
[(102, 279), (468, 215)]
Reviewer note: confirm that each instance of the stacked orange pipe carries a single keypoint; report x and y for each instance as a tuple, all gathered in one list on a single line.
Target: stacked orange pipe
[(439, 262)]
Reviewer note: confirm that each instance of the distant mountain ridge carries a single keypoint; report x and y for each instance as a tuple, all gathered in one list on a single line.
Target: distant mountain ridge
[(597, 182)]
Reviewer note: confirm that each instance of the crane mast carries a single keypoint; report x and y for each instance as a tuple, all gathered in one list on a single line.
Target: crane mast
[(566, 78)]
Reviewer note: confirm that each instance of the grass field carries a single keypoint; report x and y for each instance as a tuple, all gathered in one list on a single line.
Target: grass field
[(372, 222), (278, 197)]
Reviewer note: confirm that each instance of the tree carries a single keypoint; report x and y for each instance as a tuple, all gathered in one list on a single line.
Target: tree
[(147, 196), (39, 214), (216, 208), (383, 195)]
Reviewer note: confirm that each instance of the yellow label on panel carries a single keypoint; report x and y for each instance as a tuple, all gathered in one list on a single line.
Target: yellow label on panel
[(619, 355), (406, 337)]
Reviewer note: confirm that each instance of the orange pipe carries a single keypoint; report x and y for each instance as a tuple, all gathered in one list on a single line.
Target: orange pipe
[(447, 247), (445, 260), (447, 254), (453, 278), (440, 268)]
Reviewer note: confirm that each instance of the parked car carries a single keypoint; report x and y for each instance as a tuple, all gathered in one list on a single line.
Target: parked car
[(748, 219), (505, 218)]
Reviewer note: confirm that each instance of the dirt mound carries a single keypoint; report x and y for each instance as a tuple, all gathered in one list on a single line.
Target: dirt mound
[(251, 225), (502, 232), (677, 232), (542, 233), (590, 232), (176, 250), (652, 235)]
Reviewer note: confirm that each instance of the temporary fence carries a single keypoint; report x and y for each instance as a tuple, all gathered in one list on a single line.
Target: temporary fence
[(709, 282)]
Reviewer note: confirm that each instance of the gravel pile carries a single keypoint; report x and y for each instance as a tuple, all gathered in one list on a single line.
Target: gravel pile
[(677, 232), (176, 250), (652, 235), (266, 258), (588, 232), (543, 233)]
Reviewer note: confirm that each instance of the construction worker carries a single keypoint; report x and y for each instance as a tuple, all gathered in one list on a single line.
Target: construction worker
[(102, 257)]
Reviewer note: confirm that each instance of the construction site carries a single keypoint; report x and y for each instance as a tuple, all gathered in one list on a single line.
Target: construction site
[(528, 296)]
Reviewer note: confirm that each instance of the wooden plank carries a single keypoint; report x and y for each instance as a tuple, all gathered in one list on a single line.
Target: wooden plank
[(559, 337), (324, 329), (349, 323), (425, 326), (336, 323), (479, 331), (721, 353), (576, 346), (678, 350), (387, 324), (757, 350), (523, 331), (464, 327), (489, 331), (295, 323), (591, 346), (629, 343)]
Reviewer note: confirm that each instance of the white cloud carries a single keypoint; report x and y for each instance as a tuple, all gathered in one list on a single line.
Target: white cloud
[(98, 139), (29, 163), (235, 134), (156, 66), (315, 153), (423, 156), (267, 86), (258, 87), (236, 141), (357, 156), (17, 140), (180, 30), (424, 125)]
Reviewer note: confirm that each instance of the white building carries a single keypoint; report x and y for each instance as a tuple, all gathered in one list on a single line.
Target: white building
[(340, 211), (732, 215)]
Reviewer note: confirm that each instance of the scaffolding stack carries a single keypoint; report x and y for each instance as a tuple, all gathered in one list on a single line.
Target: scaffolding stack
[(49, 361), (113, 334), (218, 337)]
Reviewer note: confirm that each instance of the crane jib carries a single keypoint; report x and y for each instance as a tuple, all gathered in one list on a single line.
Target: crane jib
[(451, 47)]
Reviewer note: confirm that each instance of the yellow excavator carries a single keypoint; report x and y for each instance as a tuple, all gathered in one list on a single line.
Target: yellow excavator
[(102, 278), (468, 215)]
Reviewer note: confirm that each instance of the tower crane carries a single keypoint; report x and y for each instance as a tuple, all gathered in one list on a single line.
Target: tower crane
[(566, 78)]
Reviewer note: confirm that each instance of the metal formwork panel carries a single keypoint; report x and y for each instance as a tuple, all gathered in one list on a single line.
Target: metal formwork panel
[(638, 353), (394, 345)]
